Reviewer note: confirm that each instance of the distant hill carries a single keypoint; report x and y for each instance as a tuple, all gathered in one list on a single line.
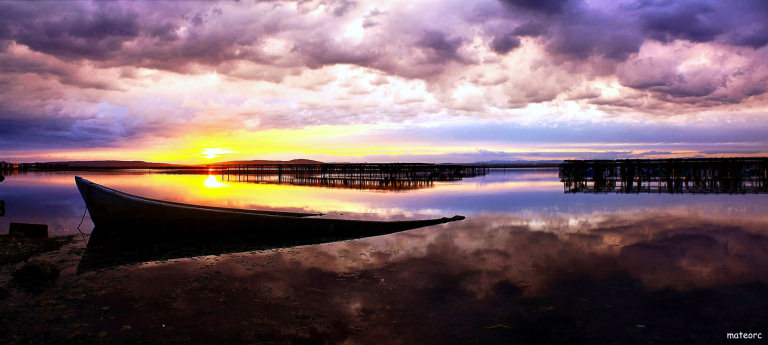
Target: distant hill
[(259, 161), (112, 164), (116, 164), (520, 163)]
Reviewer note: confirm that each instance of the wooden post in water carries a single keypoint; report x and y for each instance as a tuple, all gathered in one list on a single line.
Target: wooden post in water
[(712, 175)]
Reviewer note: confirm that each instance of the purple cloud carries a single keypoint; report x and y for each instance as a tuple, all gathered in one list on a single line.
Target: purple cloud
[(542, 6), (504, 44), (692, 21), (532, 29), (484, 60)]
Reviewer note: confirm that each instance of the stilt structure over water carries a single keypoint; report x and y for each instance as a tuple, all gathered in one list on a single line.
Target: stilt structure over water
[(6, 167), (385, 176), (700, 175)]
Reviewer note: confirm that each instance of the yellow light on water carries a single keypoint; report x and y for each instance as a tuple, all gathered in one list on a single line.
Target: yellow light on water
[(212, 182)]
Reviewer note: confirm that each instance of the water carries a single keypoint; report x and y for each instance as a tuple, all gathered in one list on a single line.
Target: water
[(534, 195), (529, 264)]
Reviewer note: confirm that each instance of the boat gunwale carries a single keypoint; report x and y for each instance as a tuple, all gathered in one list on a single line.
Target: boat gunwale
[(137, 198), (270, 214)]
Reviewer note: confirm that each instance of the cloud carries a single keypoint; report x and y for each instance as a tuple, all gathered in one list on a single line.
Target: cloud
[(692, 21), (583, 33), (18, 60), (341, 7), (439, 47), (755, 39), (543, 6), (287, 64), (33, 131), (75, 30), (530, 29), (503, 44), (695, 74)]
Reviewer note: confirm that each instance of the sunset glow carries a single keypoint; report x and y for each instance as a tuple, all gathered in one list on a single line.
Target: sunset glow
[(213, 153)]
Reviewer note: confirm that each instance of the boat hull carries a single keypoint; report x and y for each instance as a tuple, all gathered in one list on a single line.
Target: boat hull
[(115, 211)]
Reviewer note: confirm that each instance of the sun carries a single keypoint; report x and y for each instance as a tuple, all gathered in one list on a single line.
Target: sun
[(213, 153)]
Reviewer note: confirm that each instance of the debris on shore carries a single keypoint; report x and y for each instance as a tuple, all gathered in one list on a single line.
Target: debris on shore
[(14, 248), (36, 272)]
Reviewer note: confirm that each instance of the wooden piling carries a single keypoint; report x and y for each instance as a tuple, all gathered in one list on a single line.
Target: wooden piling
[(391, 176), (700, 175)]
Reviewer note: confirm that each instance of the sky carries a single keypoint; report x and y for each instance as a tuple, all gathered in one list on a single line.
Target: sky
[(382, 81)]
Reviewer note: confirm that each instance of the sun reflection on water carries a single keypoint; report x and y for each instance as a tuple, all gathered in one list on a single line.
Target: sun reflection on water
[(212, 182)]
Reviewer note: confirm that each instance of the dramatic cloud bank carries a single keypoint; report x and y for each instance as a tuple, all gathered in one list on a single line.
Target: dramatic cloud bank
[(383, 80)]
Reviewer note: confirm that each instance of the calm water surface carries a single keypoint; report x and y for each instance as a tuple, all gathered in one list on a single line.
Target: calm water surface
[(530, 264), (535, 196)]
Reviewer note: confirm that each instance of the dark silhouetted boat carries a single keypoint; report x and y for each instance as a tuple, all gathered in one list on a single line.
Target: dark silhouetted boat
[(133, 229), (125, 213)]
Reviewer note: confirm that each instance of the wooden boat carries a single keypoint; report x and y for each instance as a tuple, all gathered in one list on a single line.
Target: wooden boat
[(114, 211)]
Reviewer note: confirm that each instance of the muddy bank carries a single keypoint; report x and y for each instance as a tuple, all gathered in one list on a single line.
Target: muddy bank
[(14, 248)]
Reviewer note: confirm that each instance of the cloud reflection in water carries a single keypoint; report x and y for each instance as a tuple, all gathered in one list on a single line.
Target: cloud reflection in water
[(494, 277)]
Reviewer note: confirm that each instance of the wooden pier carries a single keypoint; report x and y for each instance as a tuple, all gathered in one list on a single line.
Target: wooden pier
[(704, 175), (6, 167), (385, 176)]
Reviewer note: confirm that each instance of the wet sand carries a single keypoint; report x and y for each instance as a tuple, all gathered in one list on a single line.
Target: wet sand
[(623, 278)]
